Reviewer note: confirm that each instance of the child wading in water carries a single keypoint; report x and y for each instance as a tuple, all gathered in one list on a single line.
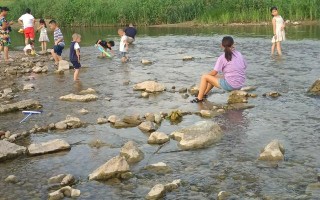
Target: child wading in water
[(233, 66), (75, 55), (278, 25), (106, 45), (43, 35), (124, 46), (58, 42), (5, 41)]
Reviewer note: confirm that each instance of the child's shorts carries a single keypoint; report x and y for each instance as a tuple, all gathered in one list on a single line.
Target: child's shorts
[(29, 32), (58, 49), (76, 64), (123, 54), (5, 43), (225, 85)]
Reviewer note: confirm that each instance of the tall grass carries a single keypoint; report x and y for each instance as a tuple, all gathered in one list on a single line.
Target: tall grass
[(146, 12)]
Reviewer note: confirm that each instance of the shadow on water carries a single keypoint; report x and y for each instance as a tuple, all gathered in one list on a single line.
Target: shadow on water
[(229, 165)]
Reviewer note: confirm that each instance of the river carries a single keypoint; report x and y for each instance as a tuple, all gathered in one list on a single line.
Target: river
[(231, 165)]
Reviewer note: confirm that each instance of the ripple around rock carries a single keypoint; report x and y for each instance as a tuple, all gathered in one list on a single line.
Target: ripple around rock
[(10, 150), (48, 147), (79, 98), (111, 169), (200, 135)]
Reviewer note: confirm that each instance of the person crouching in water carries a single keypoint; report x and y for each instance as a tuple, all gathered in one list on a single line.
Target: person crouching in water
[(233, 67), (75, 55), (29, 48), (106, 45)]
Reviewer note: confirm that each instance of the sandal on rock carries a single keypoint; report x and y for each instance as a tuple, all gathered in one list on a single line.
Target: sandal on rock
[(204, 96), (196, 100)]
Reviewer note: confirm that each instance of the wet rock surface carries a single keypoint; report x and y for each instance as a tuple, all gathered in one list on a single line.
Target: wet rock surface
[(79, 98), (274, 151), (48, 147), (149, 86), (25, 104), (200, 135), (111, 169), (131, 152), (10, 150)]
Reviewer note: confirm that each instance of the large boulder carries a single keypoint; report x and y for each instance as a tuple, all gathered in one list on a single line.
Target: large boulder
[(79, 98), (238, 96), (10, 150), (25, 104), (315, 88), (111, 169), (131, 152), (274, 151), (158, 138), (149, 86), (63, 65), (200, 135), (48, 147)]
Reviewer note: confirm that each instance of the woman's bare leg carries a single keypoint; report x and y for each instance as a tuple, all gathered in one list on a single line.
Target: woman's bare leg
[(205, 79), (45, 46)]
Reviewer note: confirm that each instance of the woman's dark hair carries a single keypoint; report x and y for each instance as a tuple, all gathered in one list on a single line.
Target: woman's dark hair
[(42, 21), (227, 43), (273, 8)]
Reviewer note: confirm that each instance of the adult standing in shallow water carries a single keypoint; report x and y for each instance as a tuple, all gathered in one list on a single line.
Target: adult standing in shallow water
[(131, 33), (233, 67)]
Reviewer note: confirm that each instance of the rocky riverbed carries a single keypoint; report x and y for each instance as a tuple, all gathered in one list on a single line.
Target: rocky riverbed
[(129, 131)]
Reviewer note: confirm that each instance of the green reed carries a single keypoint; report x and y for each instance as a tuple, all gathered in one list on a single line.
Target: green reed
[(147, 12)]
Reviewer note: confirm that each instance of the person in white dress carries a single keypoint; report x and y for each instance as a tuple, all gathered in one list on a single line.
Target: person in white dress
[(43, 39), (278, 26)]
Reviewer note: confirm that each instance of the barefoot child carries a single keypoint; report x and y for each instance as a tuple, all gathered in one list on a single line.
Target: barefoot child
[(75, 55), (106, 45), (123, 48), (233, 66), (29, 48), (278, 25), (43, 35), (5, 41), (58, 42)]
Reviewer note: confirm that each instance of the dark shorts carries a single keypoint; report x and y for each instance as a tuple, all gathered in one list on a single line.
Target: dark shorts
[(76, 64), (123, 54), (58, 49)]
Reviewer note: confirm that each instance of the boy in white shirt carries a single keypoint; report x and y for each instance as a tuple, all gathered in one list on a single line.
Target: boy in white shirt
[(124, 46), (28, 22)]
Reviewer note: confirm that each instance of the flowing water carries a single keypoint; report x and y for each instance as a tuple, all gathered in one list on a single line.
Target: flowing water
[(229, 165)]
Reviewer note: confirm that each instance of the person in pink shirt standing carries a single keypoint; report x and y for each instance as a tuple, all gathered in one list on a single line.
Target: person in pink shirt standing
[(231, 64)]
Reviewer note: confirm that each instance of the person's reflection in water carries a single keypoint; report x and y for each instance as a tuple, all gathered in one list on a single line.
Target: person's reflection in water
[(77, 85)]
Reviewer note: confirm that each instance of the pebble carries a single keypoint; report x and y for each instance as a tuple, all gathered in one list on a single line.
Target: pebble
[(11, 179)]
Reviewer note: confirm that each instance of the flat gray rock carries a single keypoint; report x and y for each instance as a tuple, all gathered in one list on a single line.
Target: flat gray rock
[(10, 150)]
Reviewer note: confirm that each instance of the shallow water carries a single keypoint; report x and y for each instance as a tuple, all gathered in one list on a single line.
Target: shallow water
[(229, 165)]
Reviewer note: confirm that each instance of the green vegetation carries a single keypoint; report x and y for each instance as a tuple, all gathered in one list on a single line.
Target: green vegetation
[(147, 12)]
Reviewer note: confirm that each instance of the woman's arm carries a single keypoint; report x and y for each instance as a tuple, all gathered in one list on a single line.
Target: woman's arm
[(213, 73)]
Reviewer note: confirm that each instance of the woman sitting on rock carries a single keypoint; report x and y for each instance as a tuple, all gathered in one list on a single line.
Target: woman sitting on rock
[(231, 64)]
